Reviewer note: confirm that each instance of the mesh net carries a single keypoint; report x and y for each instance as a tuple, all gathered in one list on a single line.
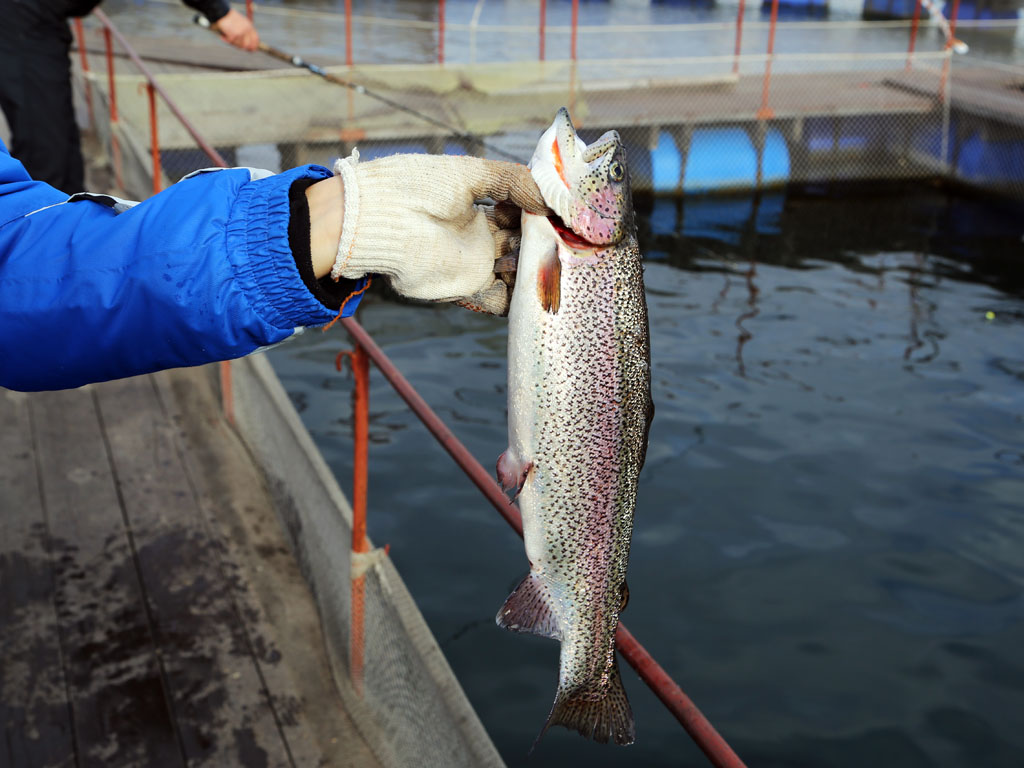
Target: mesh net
[(732, 102), (703, 106), (404, 699)]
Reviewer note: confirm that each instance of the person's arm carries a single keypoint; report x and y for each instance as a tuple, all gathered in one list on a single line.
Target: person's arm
[(203, 271), (221, 263)]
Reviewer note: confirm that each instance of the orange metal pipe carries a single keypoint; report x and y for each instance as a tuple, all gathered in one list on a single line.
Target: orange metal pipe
[(348, 32), (913, 32), (110, 74), (543, 19), (84, 56), (227, 393), (575, 25), (739, 37), (108, 29), (154, 138), (360, 363), (765, 112), (115, 147), (361, 431), (664, 687), (440, 32)]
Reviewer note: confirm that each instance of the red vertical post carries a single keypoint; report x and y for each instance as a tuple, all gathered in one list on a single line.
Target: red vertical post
[(348, 33), (110, 74), (575, 25), (739, 37), (765, 112), (361, 433), (115, 148), (154, 138), (227, 393), (440, 32), (248, 9), (84, 56), (543, 18), (913, 32)]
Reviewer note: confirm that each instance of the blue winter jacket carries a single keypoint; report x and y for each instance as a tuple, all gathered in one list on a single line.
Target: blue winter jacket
[(92, 288)]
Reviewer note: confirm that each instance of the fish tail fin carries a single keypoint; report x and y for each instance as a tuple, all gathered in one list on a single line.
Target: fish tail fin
[(528, 609), (609, 718)]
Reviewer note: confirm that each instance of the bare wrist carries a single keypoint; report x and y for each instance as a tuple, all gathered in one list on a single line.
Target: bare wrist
[(325, 199)]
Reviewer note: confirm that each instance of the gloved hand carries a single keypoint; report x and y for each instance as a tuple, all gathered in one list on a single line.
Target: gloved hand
[(416, 219)]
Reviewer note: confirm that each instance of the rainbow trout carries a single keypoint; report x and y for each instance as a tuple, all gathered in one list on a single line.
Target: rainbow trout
[(579, 410)]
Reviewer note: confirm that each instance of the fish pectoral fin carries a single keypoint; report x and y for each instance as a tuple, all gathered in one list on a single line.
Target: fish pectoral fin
[(602, 718), (528, 609), (549, 281), (512, 471)]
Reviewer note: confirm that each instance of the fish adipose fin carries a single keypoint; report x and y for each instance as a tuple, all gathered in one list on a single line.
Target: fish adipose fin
[(512, 472), (609, 718), (549, 281), (528, 609)]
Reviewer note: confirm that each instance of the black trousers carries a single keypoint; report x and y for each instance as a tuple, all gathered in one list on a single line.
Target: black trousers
[(35, 95)]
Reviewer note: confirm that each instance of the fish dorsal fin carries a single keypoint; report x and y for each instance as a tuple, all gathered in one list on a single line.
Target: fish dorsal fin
[(549, 281), (528, 609)]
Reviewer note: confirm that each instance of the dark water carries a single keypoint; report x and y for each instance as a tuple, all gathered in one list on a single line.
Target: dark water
[(830, 527)]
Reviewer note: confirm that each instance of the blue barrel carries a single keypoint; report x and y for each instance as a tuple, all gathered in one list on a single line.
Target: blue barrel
[(719, 159), (981, 9), (890, 9), (796, 8), (666, 164), (726, 159), (775, 163)]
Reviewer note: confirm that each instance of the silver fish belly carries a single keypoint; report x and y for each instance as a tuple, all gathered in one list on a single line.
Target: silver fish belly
[(579, 410)]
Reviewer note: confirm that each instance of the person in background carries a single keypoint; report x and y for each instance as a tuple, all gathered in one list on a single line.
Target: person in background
[(35, 80), (226, 262)]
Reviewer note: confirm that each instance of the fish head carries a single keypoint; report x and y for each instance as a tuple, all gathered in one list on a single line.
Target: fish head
[(586, 186)]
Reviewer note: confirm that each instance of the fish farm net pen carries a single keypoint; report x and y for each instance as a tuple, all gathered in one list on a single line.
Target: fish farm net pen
[(301, 63), (664, 687)]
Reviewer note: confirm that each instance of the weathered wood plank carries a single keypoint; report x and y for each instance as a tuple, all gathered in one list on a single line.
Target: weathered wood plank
[(217, 695), (34, 714), (280, 616), (489, 98), (117, 694)]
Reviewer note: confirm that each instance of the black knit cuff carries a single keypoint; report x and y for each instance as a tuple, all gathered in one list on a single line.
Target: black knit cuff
[(325, 290)]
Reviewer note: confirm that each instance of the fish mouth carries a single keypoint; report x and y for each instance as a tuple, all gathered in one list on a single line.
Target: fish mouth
[(569, 237)]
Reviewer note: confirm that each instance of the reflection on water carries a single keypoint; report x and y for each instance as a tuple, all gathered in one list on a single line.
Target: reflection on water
[(829, 533)]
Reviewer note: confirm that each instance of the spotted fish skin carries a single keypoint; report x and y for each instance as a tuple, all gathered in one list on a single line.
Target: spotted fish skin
[(579, 413)]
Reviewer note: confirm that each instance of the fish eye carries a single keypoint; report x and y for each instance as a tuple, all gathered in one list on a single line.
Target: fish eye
[(615, 171)]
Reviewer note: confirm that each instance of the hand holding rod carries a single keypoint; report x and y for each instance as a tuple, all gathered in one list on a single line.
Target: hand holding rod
[(298, 61)]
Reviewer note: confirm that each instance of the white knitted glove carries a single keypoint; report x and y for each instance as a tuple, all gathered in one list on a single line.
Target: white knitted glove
[(416, 219)]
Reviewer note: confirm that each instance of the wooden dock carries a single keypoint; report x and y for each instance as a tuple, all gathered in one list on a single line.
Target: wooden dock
[(151, 612)]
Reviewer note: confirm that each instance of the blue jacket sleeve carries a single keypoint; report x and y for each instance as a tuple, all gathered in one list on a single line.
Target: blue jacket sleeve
[(201, 272)]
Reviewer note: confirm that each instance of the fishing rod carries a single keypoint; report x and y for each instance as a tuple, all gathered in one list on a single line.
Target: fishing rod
[(301, 63)]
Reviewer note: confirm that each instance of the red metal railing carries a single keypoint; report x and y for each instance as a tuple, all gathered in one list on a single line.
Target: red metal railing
[(703, 733), (154, 89), (664, 687)]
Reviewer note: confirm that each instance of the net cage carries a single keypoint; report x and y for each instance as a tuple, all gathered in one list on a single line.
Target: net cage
[(741, 99), (716, 99)]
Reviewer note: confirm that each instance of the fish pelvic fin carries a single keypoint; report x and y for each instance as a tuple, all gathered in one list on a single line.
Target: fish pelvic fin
[(603, 718), (528, 609), (512, 472)]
